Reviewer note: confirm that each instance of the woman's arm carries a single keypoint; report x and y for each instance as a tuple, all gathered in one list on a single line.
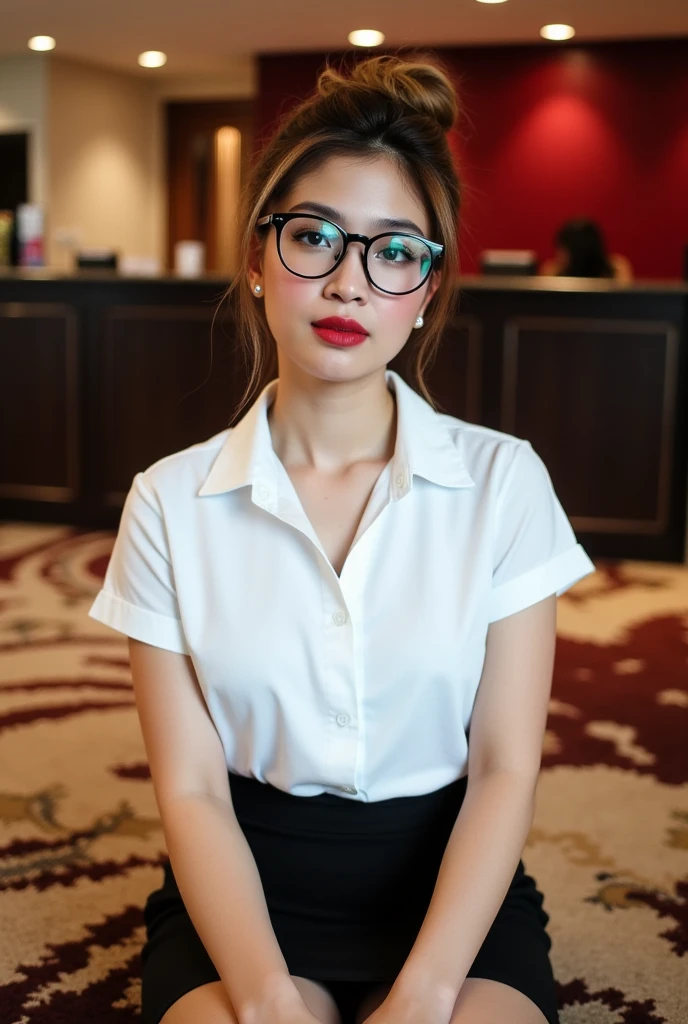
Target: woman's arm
[(486, 843), (550, 267), (211, 859), (623, 270)]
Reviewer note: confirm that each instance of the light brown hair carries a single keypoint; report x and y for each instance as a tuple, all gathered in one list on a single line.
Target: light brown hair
[(401, 107)]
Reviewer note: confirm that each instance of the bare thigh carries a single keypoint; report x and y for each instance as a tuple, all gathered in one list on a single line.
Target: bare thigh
[(211, 1004), (371, 1003), (480, 1001)]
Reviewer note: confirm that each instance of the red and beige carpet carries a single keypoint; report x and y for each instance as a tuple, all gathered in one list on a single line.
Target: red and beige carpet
[(81, 842)]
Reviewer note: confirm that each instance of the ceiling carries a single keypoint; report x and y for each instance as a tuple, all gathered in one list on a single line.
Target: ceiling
[(205, 36)]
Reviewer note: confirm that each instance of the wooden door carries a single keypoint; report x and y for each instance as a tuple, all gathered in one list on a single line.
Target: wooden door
[(200, 173)]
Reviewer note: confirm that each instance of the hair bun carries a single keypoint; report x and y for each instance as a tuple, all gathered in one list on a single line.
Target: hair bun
[(421, 84)]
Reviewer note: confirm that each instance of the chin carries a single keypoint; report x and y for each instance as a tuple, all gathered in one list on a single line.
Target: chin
[(333, 365)]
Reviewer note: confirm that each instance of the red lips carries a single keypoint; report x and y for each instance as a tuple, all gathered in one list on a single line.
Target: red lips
[(338, 323)]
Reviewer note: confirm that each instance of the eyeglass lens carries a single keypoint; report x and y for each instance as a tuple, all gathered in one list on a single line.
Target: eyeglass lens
[(311, 246)]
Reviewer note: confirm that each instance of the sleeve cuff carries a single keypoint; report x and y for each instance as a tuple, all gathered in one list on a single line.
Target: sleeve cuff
[(555, 576), (151, 628)]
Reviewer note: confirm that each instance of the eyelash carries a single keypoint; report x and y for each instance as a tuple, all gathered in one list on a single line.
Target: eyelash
[(406, 252)]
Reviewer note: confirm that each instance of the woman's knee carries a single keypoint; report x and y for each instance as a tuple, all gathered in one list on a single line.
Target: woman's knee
[(211, 1004), (208, 1003), (483, 1001), (318, 999), (371, 1002)]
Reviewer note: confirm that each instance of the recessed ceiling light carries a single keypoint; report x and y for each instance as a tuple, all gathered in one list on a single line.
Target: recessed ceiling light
[(41, 43), (491, 1), (365, 37), (557, 31), (152, 59)]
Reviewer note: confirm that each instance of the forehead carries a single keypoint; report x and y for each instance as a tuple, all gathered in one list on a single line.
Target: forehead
[(363, 190)]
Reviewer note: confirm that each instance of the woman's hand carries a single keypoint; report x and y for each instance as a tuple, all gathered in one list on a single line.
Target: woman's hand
[(293, 1015), (412, 1008), (290, 1009)]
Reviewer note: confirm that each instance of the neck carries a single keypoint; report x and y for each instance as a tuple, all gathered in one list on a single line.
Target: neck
[(328, 426)]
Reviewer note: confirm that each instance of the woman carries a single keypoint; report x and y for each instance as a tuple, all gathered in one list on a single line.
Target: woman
[(324, 599), (581, 252)]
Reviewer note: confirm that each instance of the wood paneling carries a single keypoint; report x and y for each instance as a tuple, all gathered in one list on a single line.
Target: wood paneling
[(565, 387), (165, 389), (456, 384), (594, 377), (39, 402)]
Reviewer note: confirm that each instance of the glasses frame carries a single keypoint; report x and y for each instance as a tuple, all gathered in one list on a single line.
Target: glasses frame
[(280, 219)]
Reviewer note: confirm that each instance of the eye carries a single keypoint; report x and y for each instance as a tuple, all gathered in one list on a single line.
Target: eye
[(307, 238), (391, 251)]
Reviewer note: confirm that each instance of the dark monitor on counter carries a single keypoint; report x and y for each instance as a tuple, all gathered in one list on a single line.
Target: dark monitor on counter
[(97, 259), (508, 262)]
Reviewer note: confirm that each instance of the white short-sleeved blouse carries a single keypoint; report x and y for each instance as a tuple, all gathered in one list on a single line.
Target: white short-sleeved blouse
[(362, 684)]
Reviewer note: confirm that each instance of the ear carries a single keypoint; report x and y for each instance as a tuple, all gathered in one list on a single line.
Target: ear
[(433, 285), (255, 261)]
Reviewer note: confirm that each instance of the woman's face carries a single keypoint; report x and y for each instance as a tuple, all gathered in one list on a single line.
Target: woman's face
[(361, 191)]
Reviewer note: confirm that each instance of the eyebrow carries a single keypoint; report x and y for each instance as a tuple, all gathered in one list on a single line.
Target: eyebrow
[(379, 223)]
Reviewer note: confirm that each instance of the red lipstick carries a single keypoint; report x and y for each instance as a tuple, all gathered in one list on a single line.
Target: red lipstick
[(337, 330)]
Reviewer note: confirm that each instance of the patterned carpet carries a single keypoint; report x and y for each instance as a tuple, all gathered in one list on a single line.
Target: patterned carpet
[(81, 843)]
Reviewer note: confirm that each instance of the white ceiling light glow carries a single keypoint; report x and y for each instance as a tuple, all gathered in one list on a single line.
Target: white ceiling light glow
[(365, 37), (152, 59), (557, 32), (42, 43), (491, 1)]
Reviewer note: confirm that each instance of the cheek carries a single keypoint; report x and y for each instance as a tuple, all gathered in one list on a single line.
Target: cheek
[(287, 300), (294, 292), (405, 307), (399, 315)]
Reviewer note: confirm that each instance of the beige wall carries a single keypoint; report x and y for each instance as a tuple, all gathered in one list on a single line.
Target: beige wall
[(98, 147), (105, 163), (107, 154)]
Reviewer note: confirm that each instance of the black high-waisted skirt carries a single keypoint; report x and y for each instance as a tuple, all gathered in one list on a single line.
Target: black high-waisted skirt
[(347, 885)]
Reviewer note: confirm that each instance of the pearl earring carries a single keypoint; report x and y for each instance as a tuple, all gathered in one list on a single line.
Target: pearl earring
[(419, 321), (257, 289)]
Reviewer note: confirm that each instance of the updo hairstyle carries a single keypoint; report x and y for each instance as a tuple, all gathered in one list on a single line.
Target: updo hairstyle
[(401, 107)]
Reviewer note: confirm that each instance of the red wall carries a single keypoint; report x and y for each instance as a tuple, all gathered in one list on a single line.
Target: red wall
[(548, 133)]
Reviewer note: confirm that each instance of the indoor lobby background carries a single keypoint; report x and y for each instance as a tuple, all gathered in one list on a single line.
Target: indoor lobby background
[(119, 185)]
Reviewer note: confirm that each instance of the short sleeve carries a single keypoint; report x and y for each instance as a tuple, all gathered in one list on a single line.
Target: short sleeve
[(536, 552), (138, 595)]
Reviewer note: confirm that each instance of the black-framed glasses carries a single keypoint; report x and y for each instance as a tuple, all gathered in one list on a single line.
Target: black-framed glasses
[(394, 262)]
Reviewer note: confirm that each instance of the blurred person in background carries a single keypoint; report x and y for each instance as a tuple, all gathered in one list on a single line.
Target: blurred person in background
[(581, 252)]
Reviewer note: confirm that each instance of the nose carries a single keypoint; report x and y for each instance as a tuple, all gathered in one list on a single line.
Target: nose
[(348, 280)]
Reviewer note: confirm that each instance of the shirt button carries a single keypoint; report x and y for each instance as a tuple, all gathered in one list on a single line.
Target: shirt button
[(347, 789), (343, 718), (263, 493), (339, 618), (400, 480)]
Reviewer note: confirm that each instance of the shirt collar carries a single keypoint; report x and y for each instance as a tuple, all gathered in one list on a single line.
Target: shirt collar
[(424, 447)]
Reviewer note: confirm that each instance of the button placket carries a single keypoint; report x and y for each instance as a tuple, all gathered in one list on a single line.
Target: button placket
[(342, 732)]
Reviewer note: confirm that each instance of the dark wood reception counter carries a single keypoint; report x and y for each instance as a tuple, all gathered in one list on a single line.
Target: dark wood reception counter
[(100, 375)]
